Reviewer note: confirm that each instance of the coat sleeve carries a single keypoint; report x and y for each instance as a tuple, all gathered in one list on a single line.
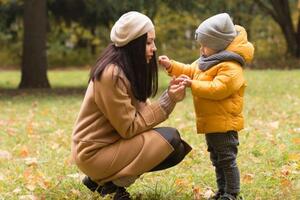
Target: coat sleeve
[(177, 68), (228, 80), (113, 99)]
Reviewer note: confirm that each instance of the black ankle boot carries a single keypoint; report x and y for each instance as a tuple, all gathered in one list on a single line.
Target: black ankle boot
[(121, 194), (107, 188), (93, 186)]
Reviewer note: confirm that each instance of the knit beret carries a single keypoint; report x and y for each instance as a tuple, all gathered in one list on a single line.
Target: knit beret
[(130, 26), (216, 32)]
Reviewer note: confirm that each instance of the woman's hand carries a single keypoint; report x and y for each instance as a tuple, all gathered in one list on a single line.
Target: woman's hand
[(176, 90), (164, 61)]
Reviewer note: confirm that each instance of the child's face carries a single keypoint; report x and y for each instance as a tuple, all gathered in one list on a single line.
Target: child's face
[(206, 52)]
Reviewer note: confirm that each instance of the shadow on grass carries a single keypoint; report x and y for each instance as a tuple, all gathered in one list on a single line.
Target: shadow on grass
[(59, 91)]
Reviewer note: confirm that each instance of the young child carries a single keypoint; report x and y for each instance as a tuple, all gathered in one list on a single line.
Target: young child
[(217, 83)]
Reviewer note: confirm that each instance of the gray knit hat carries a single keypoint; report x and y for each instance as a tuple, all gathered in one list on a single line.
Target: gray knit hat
[(216, 32), (130, 26)]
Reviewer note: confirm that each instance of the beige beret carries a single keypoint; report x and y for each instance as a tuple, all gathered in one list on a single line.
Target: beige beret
[(130, 26)]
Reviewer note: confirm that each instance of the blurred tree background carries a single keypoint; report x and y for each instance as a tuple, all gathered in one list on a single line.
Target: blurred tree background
[(36, 35)]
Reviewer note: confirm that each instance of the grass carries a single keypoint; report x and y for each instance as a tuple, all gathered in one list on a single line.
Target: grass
[(36, 126)]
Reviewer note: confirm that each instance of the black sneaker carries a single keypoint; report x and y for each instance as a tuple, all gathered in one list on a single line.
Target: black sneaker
[(227, 196), (107, 188), (121, 194), (217, 195)]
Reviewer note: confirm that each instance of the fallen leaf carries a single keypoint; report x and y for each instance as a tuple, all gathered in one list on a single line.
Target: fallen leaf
[(24, 152), (5, 155), (248, 178), (274, 125), (28, 197), (69, 161), (30, 187), (181, 182), (296, 130), (285, 170), (54, 146), (296, 140), (2, 178), (76, 175), (294, 157), (208, 193), (196, 193), (30, 161), (285, 183), (17, 190), (75, 192), (282, 147)]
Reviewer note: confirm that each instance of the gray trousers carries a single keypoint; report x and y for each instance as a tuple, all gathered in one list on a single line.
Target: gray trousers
[(223, 152)]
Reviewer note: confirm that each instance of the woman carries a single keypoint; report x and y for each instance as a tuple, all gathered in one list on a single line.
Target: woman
[(114, 140)]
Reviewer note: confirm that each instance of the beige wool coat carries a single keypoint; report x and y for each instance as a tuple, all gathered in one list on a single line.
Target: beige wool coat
[(113, 136)]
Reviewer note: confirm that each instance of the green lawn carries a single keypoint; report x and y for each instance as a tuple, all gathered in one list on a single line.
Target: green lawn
[(36, 126)]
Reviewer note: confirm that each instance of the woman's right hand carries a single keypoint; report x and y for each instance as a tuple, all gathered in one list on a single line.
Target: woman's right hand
[(176, 90)]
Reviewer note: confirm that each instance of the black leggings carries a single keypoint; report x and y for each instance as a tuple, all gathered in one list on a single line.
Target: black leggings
[(181, 148)]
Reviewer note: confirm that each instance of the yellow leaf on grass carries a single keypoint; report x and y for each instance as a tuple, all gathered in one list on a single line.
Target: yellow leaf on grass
[(248, 178), (294, 157), (296, 140), (285, 183), (24, 152), (30, 128), (180, 182), (196, 193)]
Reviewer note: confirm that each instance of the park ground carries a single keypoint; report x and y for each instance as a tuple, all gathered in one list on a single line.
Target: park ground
[(36, 127)]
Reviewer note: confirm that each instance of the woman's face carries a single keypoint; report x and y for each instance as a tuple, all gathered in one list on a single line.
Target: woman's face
[(150, 45)]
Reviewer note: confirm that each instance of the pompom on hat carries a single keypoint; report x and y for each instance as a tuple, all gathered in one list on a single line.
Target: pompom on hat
[(130, 26), (216, 32)]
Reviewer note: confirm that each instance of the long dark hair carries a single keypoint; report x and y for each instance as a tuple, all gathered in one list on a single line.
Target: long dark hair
[(131, 59)]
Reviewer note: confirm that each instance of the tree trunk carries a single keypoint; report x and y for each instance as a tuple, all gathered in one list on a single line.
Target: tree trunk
[(34, 58), (283, 18), (280, 12)]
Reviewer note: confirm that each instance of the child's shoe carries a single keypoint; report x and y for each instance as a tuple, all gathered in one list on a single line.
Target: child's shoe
[(217, 195), (227, 196)]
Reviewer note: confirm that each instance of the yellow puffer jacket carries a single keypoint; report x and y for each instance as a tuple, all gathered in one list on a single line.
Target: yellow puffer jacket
[(218, 92)]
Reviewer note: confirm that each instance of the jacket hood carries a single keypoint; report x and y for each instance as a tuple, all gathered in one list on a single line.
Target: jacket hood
[(240, 45)]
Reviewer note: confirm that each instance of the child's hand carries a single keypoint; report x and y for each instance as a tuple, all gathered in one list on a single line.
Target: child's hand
[(164, 61), (185, 80)]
